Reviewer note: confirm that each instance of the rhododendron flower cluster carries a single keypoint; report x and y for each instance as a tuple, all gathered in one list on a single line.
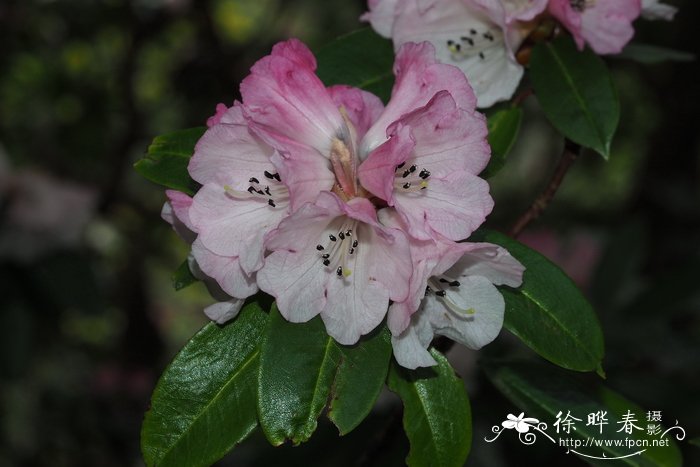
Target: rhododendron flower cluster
[(342, 207)]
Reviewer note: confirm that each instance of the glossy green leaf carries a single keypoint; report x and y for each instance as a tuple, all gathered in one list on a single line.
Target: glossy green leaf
[(504, 126), (542, 391), (576, 93), (436, 416), (204, 403), (549, 313), (653, 54), (183, 276), (302, 370), (167, 158), (362, 59)]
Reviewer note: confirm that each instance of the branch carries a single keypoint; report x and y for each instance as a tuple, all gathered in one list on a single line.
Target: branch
[(568, 157)]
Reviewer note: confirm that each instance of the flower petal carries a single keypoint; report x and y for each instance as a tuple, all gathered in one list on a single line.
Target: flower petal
[(448, 138), (381, 15), (229, 152), (222, 312), (607, 26), (376, 173), (418, 78), (234, 227), (453, 206), (473, 331), (363, 108), (410, 352), (283, 94), (492, 262), (225, 270)]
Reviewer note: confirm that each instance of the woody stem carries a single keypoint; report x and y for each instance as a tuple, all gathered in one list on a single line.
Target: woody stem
[(569, 155)]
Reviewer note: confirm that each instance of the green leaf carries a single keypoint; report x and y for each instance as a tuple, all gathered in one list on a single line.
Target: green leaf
[(362, 59), (167, 158), (549, 313), (504, 126), (437, 417), (302, 370), (653, 54), (576, 93), (204, 403), (183, 276), (542, 391)]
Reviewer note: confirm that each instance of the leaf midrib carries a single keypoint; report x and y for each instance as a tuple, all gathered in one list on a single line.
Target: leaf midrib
[(247, 362), (578, 96), (553, 317)]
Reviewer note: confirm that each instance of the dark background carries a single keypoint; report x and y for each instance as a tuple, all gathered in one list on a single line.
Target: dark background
[(88, 317)]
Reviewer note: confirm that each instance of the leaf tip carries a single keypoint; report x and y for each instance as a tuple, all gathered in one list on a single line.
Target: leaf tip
[(600, 371)]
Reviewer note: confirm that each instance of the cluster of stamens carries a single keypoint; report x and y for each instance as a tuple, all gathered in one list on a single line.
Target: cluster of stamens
[(273, 192), (410, 178), (471, 45), (440, 286), (338, 251)]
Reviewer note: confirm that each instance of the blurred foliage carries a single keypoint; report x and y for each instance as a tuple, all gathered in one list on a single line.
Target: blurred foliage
[(89, 318)]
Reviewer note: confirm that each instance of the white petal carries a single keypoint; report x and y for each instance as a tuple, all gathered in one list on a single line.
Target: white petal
[(222, 312)]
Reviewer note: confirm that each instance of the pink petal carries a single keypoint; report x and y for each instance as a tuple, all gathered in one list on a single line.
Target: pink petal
[(304, 171), (180, 204), (225, 270), (363, 108), (230, 153), (453, 206), (377, 172), (448, 138), (506, 12), (283, 93), (234, 227), (418, 78), (381, 15), (607, 26), (569, 18)]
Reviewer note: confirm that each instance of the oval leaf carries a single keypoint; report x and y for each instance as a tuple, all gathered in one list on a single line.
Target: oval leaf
[(302, 370), (362, 59), (204, 403), (522, 383), (436, 417), (576, 93), (549, 313), (504, 126), (167, 159)]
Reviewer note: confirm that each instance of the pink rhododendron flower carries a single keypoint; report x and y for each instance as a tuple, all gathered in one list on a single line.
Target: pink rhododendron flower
[(459, 301), (653, 9), (479, 36), (605, 25), (331, 202)]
